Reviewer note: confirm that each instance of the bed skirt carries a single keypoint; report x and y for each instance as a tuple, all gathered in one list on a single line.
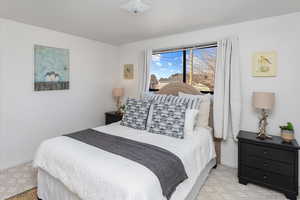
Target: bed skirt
[(50, 188)]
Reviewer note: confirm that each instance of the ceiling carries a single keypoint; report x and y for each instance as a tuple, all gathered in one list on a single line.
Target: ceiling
[(103, 20)]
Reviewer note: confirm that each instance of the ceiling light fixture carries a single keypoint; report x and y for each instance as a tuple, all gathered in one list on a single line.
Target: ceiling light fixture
[(136, 7)]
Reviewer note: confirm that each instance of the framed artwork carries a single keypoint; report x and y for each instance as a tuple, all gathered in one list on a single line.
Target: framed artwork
[(51, 68), (128, 71), (264, 64)]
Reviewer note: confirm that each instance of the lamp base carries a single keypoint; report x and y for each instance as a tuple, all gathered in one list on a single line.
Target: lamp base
[(118, 104), (262, 126), (263, 136)]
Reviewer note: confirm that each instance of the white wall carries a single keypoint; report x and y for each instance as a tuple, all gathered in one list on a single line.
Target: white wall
[(29, 117), (278, 33)]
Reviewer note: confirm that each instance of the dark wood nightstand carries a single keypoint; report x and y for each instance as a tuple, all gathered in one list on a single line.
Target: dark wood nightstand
[(111, 117), (269, 163)]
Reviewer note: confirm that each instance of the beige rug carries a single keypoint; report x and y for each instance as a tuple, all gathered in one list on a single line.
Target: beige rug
[(16, 180), (28, 195)]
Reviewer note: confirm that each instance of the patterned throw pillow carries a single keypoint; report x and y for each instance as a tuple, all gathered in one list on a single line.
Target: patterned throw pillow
[(136, 113), (192, 103), (168, 119), (156, 97)]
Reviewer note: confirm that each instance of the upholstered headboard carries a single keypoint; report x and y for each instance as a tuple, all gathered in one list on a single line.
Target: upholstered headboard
[(174, 89)]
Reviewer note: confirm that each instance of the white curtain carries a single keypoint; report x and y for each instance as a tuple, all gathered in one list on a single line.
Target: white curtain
[(227, 92), (144, 75)]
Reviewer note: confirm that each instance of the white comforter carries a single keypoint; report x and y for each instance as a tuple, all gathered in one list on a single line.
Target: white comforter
[(94, 174)]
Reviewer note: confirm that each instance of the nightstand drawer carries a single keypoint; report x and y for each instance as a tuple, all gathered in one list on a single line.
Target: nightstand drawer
[(267, 178), (266, 152), (269, 165)]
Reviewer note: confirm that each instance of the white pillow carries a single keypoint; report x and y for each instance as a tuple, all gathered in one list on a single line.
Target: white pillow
[(191, 119), (149, 117), (204, 110)]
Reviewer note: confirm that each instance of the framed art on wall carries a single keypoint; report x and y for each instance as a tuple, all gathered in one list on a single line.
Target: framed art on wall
[(128, 71), (51, 68), (264, 64)]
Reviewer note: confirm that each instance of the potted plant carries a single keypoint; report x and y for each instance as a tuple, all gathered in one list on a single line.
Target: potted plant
[(122, 109), (287, 132)]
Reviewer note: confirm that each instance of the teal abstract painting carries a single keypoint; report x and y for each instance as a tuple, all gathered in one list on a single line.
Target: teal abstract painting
[(52, 68)]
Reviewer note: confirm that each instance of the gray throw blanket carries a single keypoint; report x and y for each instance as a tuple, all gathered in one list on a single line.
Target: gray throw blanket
[(164, 164)]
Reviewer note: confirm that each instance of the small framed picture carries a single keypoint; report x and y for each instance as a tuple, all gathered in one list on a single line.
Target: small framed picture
[(264, 64), (128, 71)]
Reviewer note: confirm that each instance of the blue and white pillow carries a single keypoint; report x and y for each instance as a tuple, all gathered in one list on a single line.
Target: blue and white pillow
[(158, 98), (168, 119), (155, 97), (192, 103), (136, 113)]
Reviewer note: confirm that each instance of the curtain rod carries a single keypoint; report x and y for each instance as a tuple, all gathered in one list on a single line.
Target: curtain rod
[(198, 46)]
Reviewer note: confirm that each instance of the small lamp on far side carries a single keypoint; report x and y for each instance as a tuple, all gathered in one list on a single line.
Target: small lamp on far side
[(118, 93), (265, 102)]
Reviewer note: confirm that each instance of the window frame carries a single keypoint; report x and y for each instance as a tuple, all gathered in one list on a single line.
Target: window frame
[(184, 60)]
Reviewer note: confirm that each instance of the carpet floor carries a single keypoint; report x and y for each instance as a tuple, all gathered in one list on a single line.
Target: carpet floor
[(222, 184)]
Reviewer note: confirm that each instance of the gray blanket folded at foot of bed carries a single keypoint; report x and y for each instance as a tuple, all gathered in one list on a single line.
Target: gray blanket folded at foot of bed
[(164, 164)]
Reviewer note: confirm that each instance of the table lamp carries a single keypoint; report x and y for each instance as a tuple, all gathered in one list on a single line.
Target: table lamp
[(265, 102), (118, 93)]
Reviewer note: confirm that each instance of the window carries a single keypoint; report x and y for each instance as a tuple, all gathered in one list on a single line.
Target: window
[(194, 66)]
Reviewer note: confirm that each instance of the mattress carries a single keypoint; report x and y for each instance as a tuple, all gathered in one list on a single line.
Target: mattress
[(90, 173)]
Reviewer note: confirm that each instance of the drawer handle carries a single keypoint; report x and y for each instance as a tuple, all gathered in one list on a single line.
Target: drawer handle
[(265, 164), (265, 152), (265, 177)]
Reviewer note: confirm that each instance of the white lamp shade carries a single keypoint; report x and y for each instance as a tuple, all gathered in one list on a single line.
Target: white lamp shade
[(263, 100)]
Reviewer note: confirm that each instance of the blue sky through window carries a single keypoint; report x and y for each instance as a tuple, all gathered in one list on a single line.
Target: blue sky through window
[(168, 67), (166, 64)]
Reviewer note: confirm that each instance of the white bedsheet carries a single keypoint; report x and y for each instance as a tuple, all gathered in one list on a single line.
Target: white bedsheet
[(94, 174)]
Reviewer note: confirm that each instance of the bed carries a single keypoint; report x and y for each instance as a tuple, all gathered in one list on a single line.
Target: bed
[(71, 170)]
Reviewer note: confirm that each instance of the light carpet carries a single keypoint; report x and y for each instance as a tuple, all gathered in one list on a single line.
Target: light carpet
[(222, 184)]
